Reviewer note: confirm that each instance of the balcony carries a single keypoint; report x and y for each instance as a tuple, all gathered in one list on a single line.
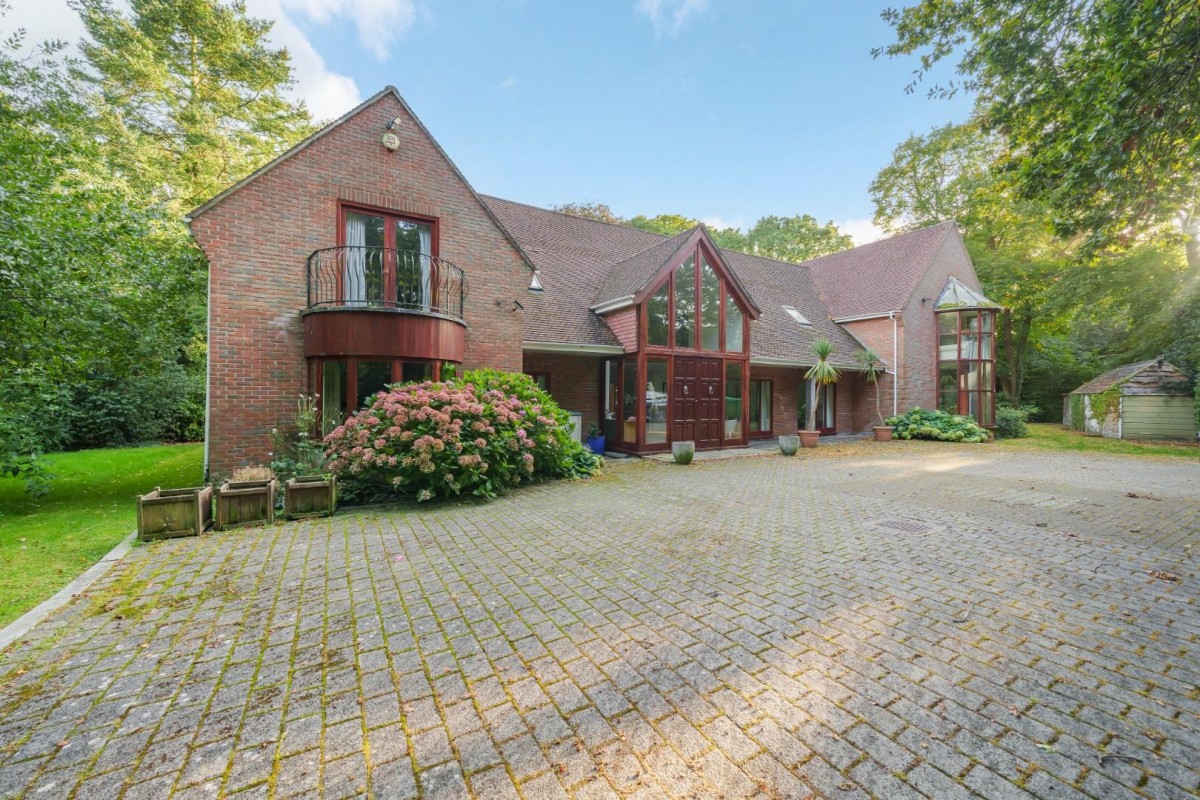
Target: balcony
[(380, 302)]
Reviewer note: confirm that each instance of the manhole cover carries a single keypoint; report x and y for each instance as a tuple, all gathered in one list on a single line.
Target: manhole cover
[(906, 525)]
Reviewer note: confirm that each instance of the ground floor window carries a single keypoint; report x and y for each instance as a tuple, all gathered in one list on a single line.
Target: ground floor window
[(733, 400), (760, 406), (344, 385), (826, 407), (610, 411), (656, 400), (542, 379)]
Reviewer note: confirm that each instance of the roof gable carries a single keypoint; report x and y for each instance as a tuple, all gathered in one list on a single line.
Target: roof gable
[(634, 275), (387, 91), (878, 277)]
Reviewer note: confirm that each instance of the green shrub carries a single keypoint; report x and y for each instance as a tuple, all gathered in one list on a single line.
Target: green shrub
[(938, 425), (1011, 421), (480, 435)]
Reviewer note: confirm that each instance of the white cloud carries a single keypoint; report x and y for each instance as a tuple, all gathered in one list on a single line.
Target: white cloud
[(508, 83), (669, 16), (379, 23), (328, 94), (719, 223), (863, 231)]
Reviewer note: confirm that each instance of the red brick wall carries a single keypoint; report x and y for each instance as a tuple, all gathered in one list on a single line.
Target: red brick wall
[(258, 238), (574, 381), (877, 335), (623, 324), (918, 377)]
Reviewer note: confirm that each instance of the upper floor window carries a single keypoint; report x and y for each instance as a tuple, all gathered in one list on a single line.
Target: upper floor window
[(387, 259), (694, 309)]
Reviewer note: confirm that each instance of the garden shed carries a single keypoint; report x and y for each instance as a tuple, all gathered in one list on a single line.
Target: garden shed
[(1146, 400)]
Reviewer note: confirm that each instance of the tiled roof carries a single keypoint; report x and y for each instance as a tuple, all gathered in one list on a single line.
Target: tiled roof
[(878, 277), (1113, 377), (776, 334), (631, 275), (582, 263), (572, 256)]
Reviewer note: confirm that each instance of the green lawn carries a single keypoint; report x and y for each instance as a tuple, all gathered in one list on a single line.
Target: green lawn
[(1051, 436), (90, 508)]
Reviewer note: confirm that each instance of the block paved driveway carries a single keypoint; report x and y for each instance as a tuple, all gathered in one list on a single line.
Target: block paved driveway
[(886, 621)]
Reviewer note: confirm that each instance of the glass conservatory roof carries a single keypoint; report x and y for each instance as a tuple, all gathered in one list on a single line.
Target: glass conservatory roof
[(956, 296)]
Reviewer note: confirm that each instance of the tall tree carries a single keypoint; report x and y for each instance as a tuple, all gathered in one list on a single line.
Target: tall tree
[(600, 212), (795, 239), (189, 95), (1099, 101), (933, 177), (101, 293), (671, 224)]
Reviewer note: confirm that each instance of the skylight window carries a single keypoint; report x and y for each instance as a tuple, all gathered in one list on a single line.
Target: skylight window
[(796, 315)]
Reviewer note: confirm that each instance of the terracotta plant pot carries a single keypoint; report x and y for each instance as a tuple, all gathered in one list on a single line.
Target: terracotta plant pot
[(167, 513), (809, 438), (883, 433), (789, 444), (683, 452)]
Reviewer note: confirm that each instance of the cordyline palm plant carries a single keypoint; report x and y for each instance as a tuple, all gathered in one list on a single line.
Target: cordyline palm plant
[(872, 367), (819, 375)]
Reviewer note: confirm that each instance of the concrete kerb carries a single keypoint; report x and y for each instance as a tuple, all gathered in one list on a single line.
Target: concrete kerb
[(22, 625)]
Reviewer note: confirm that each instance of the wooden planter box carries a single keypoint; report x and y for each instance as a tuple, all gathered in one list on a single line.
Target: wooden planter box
[(310, 496), (245, 503), (168, 513)]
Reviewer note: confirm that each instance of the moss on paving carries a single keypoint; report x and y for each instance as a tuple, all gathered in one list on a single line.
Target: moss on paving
[(45, 543)]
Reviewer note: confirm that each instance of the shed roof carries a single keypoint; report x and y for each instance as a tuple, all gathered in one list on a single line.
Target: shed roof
[(1125, 372)]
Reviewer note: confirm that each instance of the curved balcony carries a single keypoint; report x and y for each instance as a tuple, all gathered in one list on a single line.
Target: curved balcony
[(354, 276), (381, 302)]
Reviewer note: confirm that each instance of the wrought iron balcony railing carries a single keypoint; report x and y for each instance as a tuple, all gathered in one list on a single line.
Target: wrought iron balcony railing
[(354, 276)]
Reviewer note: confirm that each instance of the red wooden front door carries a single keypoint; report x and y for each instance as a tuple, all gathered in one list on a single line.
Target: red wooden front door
[(696, 401)]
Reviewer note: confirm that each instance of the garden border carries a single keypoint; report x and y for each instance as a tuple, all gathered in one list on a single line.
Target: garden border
[(22, 625)]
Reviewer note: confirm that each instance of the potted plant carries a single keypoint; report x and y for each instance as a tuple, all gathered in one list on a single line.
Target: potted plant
[(683, 452), (298, 456), (872, 367), (819, 375), (789, 443), (596, 440), (168, 513), (247, 498)]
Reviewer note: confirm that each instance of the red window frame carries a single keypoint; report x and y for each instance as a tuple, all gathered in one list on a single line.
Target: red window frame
[(390, 218)]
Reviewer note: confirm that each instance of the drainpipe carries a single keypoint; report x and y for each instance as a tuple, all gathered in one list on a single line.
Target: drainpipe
[(207, 373), (895, 366)]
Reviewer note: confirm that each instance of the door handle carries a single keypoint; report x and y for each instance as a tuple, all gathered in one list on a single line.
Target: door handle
[(710, 390), (685, 389)]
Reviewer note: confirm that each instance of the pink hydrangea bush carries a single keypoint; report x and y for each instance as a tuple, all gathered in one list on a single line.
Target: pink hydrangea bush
[(431, 440)]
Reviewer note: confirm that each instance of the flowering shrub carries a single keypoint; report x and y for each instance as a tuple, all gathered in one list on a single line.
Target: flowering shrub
[(440, 439), (937, 425)]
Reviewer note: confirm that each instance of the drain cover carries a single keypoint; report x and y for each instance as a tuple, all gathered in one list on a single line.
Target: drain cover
[(906, 525)]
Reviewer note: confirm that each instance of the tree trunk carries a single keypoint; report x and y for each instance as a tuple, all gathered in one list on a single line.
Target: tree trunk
[(1016, 344)]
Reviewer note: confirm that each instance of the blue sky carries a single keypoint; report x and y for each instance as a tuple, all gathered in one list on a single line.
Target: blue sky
[(717, 110)]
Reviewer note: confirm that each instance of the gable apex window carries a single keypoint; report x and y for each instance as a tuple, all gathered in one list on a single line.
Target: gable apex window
[(695, 308)]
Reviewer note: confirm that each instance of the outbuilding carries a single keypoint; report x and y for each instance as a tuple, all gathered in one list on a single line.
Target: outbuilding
[(1146, 400)]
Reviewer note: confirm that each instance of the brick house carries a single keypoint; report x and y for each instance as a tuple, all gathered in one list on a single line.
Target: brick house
[(363, 256)]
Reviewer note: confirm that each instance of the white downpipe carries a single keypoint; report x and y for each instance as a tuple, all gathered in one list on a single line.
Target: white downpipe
[(895, 366), (207, 373)]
